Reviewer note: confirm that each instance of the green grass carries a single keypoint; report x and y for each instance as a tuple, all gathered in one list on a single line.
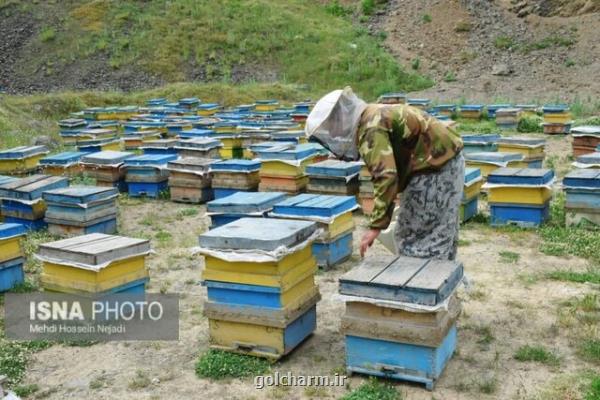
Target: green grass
[(537, 354), (530, 124), (188, 212), (47, 34), (14, 357), (427, 18), (593, 391), (298, 41), (216, 364), (509, 257), (589, 350), (550, 41), (26, 390), (373, 390), (592, 275), (449, 77), (504, 42)]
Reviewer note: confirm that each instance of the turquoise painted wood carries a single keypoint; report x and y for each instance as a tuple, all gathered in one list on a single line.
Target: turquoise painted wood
[(256, 147), (9, 230), (401, 361), (218, 220), (246, 202), (521, 176), (258, 233), (405, 279), (79, 195), (469, 209), (526, 216), (140, 189), (235, 165), (582, 178), (481, 138), (195, 133), (79, 213), (300, 329), (492, 108), (32, 187), (221, 193), (33, 225), (472, 174), (333, 168), (6, 179), (233, 294), (307, 205), (285, 152), (555, 108), (21, 152), (150, 160), (471, 107), (65, 158), (11, 274), (479, 148), (330, 254), (587, 199)]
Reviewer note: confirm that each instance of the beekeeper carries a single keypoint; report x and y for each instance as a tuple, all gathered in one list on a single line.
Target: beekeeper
[(406, 151)]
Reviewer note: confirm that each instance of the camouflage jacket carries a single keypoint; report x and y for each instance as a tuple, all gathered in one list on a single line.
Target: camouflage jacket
[(395, 142)]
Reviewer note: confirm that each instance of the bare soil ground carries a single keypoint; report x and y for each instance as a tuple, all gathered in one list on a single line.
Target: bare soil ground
[(508, 304)]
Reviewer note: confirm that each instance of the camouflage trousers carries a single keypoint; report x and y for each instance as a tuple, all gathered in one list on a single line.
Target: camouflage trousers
[(428, 219)]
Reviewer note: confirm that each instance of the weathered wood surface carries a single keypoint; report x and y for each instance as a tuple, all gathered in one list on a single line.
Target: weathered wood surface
[(521, 176), (94, 249), (246, 202)]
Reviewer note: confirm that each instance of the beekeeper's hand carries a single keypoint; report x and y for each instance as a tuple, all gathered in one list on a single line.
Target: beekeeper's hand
[(367, 240)]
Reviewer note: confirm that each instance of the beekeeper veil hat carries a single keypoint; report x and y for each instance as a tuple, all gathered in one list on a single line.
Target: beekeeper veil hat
[(334, 121)]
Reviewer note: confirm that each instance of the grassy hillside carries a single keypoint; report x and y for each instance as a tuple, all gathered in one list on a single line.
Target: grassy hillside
[(79, 43)]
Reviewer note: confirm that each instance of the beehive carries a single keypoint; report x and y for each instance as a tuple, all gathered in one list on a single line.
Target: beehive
[(190, 180), (66, 163), (242, 204), (94, 263), (106, 168), (334, 216), (160, 147), (283, 167), (393, 324), (11, 255), (582, 188), (590, 160), (392, 98), (469, 203), (490, 161), (585, 139), (230, 176), (81, 210), (260, 306), (476, 143), (519, 196), (471, 111), (21, 160), (333, 177), (492, 108), (147, 175), (508, 118), (531, 148)]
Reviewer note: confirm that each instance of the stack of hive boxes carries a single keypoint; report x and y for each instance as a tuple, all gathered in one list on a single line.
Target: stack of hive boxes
[(242, 204), (147, 175), (519, 196), (11, 256), (93, 140), (532, 150), (490, 161), (81, 210), (208, 109), (227, 133), (582, 188), (557, 119), (492, 108), (444, 110), (70, 128), (585, 139), (4, 180), (260, 279), (283, 168), (62, 164), (471, 111), (135, 140), (469, 204), (21, 160), (333, 177), (106, 167), (160, 147), (95, 264), (480, 142), (392, 98), (334, 216), (266, 105), (400, 318), (190, 180), (508, 118), (231, 176), (199, 148), (22, 201), (366, 195)]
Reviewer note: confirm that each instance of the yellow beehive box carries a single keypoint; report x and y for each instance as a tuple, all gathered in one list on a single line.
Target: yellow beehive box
[(92, 263), (486, 167), (280, 168), (20, 165), (472, 190), (558, 118), (284, 274), (10, 248), (231, 141), (519, 195)]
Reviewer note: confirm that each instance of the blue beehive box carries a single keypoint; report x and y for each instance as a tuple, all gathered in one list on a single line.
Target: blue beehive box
[(147, 174), (235, 165), (106, 157), (286, 136), (11, 274), (221, 193), (555, 108), (161, 146), (315, 205), (471, 174), (582, 178), (471, 107), (65, 158), (523, 215), (424, 103), (256, 147), (492, 108), (195, 133), (583, 190), (286, 152), (590, 159), (242, 204), (333, 168), (329, 254), (521, 176), (81, 206), (493, 157), (402, 361)]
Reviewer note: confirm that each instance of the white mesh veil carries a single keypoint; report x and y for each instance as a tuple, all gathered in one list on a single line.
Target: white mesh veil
[(333, 122)]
